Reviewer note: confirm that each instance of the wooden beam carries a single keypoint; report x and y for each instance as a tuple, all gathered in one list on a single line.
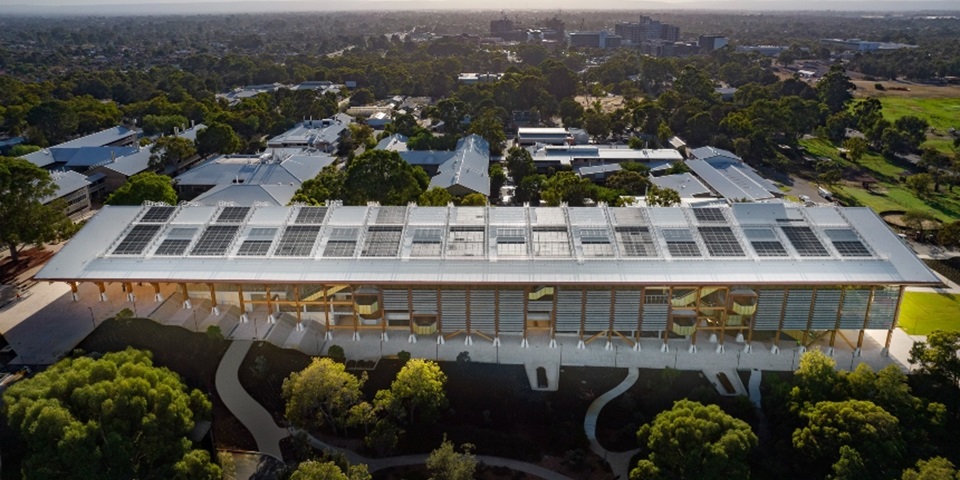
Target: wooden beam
[(496, 312), (469, 326), (866, 317), (643, 301), (553, 313), (410, 309), (269, 300), (806, 332), (383, 312), (583, 311), (896, 318), (213, 294), (783, 313), (326, 307), (526, 308), (666, 332), (243, 305), (439, 312), (833, 334), (613, 309), (296, 296)]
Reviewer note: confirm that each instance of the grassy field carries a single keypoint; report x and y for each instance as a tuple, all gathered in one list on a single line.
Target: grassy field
[(940, 113), (890, 194), (922, 313)]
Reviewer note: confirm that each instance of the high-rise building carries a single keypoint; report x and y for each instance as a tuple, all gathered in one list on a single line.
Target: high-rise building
[(709, 43)]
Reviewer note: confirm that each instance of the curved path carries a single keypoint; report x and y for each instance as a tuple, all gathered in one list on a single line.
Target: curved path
[(619, 461), (268, 435), (375, 464), (250, 413)]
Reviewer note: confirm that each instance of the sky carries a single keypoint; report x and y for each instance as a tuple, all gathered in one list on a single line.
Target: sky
[(211, 6)]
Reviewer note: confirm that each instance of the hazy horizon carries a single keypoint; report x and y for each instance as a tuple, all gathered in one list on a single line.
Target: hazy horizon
[(160, 7)]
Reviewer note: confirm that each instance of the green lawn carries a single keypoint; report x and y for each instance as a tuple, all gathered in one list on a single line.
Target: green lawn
[(922, 313), (940, 113), (890, 194)]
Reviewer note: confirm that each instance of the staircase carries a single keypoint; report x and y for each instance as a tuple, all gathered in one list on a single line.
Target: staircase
[(691, 297), (319, 293)]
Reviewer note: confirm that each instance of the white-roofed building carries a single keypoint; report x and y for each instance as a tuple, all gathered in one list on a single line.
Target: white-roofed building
[(729, 176), (547, 136), (84, 153), (546, 157), (683, 183), (324, 134), (281, 167), (749, 274)]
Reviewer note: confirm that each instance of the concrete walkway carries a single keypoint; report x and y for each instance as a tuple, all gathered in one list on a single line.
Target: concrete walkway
[(755, 378), (250, 413), (619, 461), (375, 464)]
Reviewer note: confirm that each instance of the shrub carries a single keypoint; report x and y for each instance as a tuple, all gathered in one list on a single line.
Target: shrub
[(336, 352)]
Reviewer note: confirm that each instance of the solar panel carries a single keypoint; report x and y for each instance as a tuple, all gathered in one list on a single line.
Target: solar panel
[(340, 248), (136, 240), (511, 235), (551, 242), (680, 242), (157, 214), (312, 215), (847, 242), (594, 235), (216, 239), (391, 215), (635, 241), (851, 249), (466, 241), (297, 241), (709, 215), (769, 249), (232, 214), (428, 235), (254, 248), (721, 242), (382, 241), (172, 247), (805, 242)]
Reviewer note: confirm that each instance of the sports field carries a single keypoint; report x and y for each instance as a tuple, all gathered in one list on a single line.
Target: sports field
[(922, 313)]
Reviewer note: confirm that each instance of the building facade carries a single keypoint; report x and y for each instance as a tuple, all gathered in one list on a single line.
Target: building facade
[(757, 274)]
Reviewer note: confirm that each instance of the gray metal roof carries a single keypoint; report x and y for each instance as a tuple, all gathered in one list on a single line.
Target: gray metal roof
[(257, 169), (683, 183), (67, 182), (248, 195), (774, 244), (468, 167), (730, 179), (312, 133), (130, 165)]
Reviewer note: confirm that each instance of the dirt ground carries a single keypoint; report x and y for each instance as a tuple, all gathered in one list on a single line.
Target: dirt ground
[(867, 88), (609, 103)]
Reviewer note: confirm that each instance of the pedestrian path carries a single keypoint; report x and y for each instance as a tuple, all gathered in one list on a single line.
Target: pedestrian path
[(250, 413), (376, 464), (268, 434), (619, 461)]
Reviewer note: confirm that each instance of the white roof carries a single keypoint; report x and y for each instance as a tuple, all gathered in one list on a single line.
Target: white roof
[(774, 244), (683, 183)]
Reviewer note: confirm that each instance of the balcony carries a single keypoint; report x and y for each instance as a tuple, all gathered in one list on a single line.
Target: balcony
[(744, 309), (368, 308)]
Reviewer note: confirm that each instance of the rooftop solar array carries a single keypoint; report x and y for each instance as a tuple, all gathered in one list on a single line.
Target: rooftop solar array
[(157, 214), (136, 240), (215, 241), (721, 241), (743, 231), (680, 242), (298, 240), (804, 241), (311, 215), (233, 214)]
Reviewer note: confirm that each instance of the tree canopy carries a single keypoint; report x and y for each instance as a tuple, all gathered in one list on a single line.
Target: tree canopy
[(416, 394), (218, 138), (143, 187), (322, 395), (24, 187), (446, 463), (117, 417), (316, 470), (694, 441), (383, 176)]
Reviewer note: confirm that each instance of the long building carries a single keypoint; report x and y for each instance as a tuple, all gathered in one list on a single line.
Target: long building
[(751, 273)]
